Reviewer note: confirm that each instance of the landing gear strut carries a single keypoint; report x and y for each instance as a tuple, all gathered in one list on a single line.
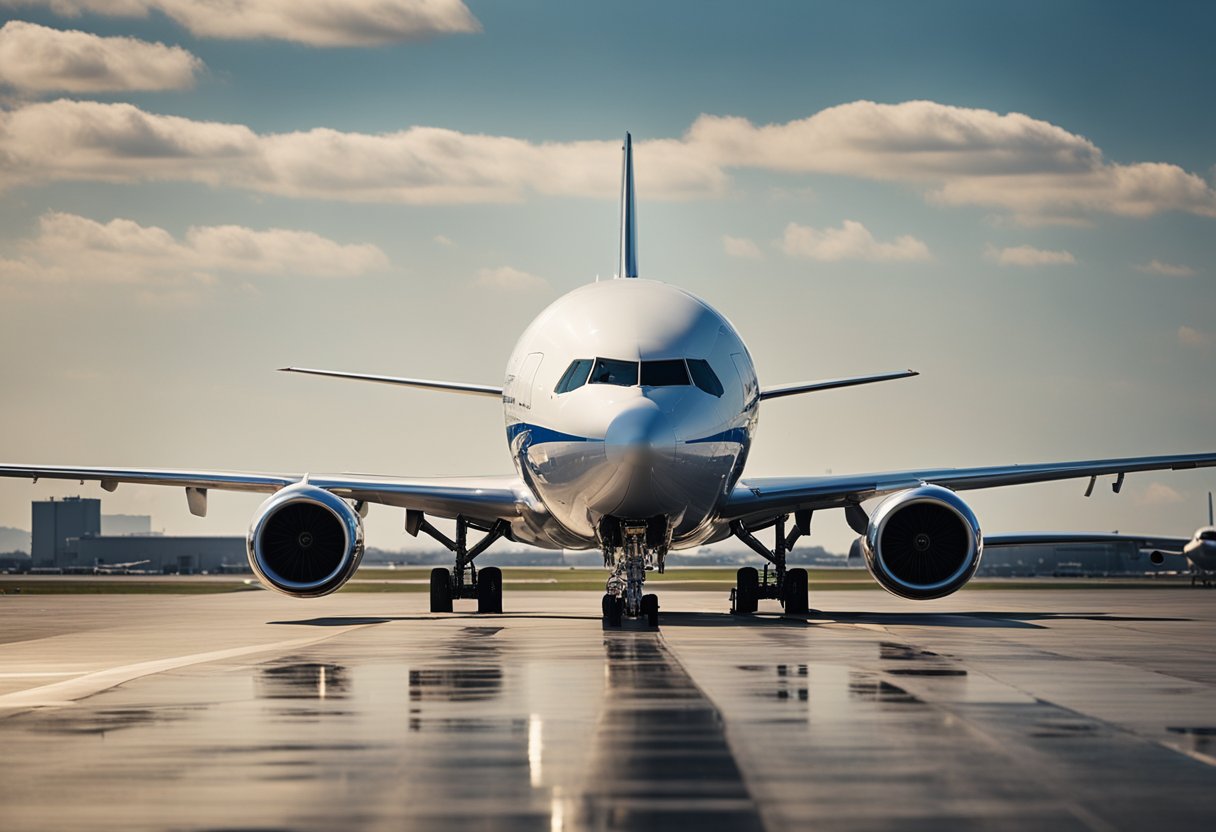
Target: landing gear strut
[(789, 586), (631, 549), (485, 586)]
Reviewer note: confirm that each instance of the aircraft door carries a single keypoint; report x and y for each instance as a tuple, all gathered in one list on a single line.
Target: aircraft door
[(527, 379)]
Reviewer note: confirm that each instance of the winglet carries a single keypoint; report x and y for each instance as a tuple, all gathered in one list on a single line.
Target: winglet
[(629, 218)]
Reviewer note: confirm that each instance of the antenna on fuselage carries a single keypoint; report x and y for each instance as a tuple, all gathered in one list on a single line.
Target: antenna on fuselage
[(1211, 519), (628, 264)]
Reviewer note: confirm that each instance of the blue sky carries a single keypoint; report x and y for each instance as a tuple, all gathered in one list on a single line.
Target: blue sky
[(1054, 284)]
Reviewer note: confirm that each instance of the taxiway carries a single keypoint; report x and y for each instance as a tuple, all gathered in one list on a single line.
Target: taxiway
[(1058, 709)]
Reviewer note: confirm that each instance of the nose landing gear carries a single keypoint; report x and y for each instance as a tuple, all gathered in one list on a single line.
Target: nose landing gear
[(631, 549)]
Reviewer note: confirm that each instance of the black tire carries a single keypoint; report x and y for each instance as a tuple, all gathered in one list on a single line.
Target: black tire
[(613, 609), (489, 590), (747, 591), (441, 590), (796, 595), (650, 609)]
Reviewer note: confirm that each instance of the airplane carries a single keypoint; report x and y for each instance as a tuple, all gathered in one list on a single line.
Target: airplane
[(117, 568), (1199, 549), (630, 406)]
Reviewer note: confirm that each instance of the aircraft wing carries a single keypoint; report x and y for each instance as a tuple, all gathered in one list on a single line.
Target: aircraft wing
[(766, 496), (482, 498), (1170, 545)]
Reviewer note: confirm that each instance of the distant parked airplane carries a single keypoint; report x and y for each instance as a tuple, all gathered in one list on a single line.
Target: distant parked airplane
[(630, 409), (1199, 549)]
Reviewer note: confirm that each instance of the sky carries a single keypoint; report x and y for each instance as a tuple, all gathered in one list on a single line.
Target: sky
[(1014, 199)]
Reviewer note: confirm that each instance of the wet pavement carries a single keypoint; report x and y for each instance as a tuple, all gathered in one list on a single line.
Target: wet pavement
[(1059, 709)]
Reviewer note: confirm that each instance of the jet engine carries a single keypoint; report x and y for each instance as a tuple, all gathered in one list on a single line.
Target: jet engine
[(305, 541), (922, 543)]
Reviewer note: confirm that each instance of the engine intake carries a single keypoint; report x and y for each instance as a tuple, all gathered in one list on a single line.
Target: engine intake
[(923, 543), (305, 541)]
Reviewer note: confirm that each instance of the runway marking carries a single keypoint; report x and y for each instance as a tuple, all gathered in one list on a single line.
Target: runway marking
[(70, 690)]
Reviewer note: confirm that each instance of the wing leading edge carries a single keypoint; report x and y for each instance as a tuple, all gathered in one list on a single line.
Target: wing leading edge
[(422, 383), (483, 498), (776, 495)]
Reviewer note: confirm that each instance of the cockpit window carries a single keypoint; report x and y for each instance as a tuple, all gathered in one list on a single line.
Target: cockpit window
[(664, 373), (1207, 534), (704, 377), (610, 371), (575, 375)]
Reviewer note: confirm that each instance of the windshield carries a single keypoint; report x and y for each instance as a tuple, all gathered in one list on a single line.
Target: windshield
[(664, 373), (610, 371)]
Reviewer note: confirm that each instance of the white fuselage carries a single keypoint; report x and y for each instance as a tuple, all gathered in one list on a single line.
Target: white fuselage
[(592, 441), (1201, 551)]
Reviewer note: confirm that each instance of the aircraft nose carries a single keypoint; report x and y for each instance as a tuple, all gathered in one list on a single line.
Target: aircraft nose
[(640, 433)]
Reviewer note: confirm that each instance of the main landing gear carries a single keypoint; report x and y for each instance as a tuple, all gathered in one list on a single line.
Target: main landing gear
[(789, 586), (631, 549), (485, 586)]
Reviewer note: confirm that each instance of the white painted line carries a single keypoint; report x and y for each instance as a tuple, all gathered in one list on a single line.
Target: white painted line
[(68, 691)]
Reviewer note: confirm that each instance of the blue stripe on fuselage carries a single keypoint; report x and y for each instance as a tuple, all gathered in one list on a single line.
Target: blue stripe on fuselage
[(736, 435), (541, 435)]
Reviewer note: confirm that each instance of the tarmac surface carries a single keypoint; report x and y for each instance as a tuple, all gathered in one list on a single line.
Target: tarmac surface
[(1061, 709)]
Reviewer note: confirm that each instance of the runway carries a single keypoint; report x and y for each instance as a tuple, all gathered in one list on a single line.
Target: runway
[(1059, 709)]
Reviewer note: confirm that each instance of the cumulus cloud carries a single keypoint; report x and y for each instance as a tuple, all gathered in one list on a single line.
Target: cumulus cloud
[(88, 140), (961, 156), (1166, 269), (71, 248), (1030, 168), (1029, 256), (1160, 494), (852, 241), (740, 247), (508, 279), (314, 22), (1188, 336), (36, 58)]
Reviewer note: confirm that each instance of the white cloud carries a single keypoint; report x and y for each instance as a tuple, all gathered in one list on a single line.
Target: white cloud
[(38, 59), (315, 22), (1159, 494), (1029, 256), (507, 279), (440, 239), (1188, 336), (962, 156), (71, 248), (87, 140), (1166, 269), (740, 247), (1036, 171), (852, 241)]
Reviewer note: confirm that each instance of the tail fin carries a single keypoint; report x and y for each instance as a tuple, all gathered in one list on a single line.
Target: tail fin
[(629, 217)]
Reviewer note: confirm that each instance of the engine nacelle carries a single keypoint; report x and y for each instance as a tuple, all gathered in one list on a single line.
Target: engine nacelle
[(305, 541), (923, 543)]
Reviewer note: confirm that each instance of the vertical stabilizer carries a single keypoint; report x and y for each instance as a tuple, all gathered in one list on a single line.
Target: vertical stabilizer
[(629, 216)]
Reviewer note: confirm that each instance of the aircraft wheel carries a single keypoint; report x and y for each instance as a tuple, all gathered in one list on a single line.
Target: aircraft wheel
[(614, 607), (650, 609), (441, 590), (796, 600), (489, 590), (747, 591)]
